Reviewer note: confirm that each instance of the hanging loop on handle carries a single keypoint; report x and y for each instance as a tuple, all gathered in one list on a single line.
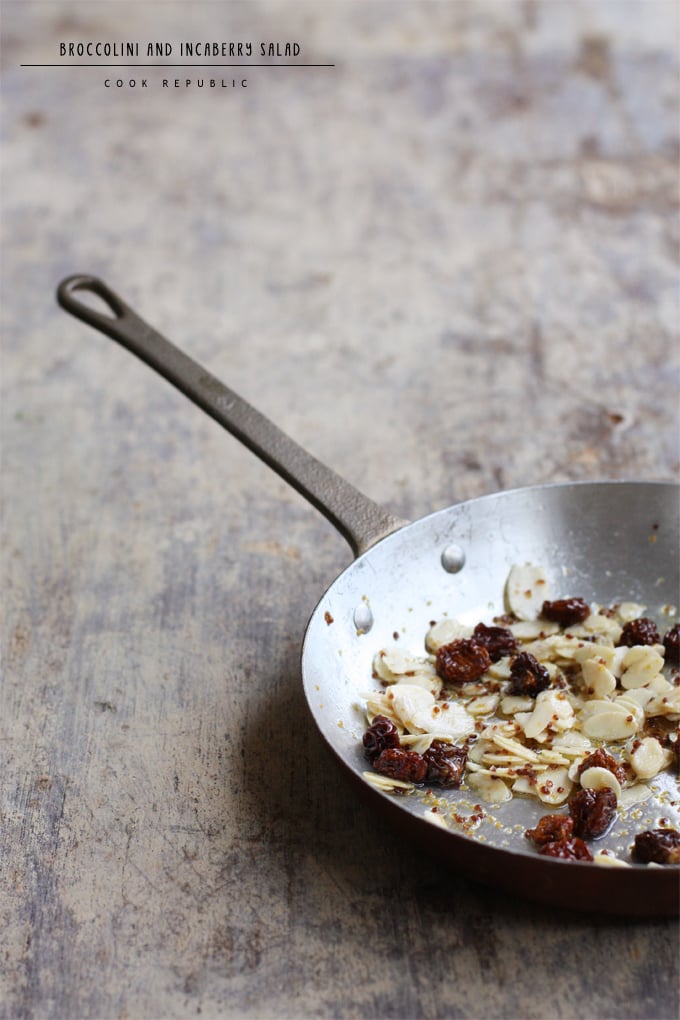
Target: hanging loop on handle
[(361, 521)]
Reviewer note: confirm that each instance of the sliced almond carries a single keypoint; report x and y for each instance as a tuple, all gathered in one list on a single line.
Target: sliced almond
[(597, 678), (639, 665), (444, 632), (407, 701), (534, 630), (484, 705), (633, 795), (627, 611), (453, 722), (395, 665), (649, 758), (664, 704), (554, 786), (608, 860), (386, 784), (595, 650), (489, 788), (516, 703), (552, 709), (611, 723), (435, 818), (597, 778), (526, 590)]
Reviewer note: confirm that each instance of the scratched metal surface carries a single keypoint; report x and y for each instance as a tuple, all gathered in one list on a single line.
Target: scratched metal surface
[(447, 267)]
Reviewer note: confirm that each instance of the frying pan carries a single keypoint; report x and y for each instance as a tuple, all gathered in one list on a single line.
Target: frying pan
[(604, 541)]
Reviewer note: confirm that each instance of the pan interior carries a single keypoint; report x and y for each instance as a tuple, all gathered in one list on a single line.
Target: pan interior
[(606, 542)]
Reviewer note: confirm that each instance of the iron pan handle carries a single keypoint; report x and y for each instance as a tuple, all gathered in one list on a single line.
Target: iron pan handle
[(361, 521)]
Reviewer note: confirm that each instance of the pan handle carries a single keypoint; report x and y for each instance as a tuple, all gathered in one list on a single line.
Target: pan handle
[(359, 519)]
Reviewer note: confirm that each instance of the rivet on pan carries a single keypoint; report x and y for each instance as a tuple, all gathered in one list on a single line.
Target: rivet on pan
[(453, 559), (363, 618)]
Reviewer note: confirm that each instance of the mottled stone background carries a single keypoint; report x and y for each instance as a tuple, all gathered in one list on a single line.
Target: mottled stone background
[(447, 266)]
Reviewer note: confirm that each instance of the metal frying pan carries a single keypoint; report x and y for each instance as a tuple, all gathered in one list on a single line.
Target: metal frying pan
[(607, 542)]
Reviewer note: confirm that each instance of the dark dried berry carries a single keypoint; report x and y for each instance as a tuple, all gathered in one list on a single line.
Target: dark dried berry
[(396, 763), (527, 675), (601, 759), (551, 829), (658, 846), (593, 812), (659, 728), (639, 632), (462, 661), (566, 611), (445, 763), (671, 643), (567, 850), (381, 734), (498, 641)]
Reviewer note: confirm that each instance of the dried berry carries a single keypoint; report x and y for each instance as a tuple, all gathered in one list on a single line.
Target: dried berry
[(671, 644), (527, 675), (601, 759), (567, 850), (639, 632), (396, 763), (381, 734), (566, 611), (593, 812), (498, 641), (658, 846), (462, 661), (659, 728), (445, 763), (551, 829)]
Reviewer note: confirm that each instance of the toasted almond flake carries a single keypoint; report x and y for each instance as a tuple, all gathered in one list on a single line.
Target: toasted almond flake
[(503, 758), (553, 786), (515, 748), (627, 611), (633, 795), (609, 860), (535, 633), (500, 670), (489, 788), (597, 678), (613, 724), (667, 704), (597, 778), (648, 758), (444, 632), (386, 784), (552, 757), (525, 786), (602, 626), (552, 709), (456, 723), (435, 818), (408, 700), (515, 703), (525, 591), (572, 743), (595, 650), (639, 665), (420, 742), (483, 705), (632, 706)]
